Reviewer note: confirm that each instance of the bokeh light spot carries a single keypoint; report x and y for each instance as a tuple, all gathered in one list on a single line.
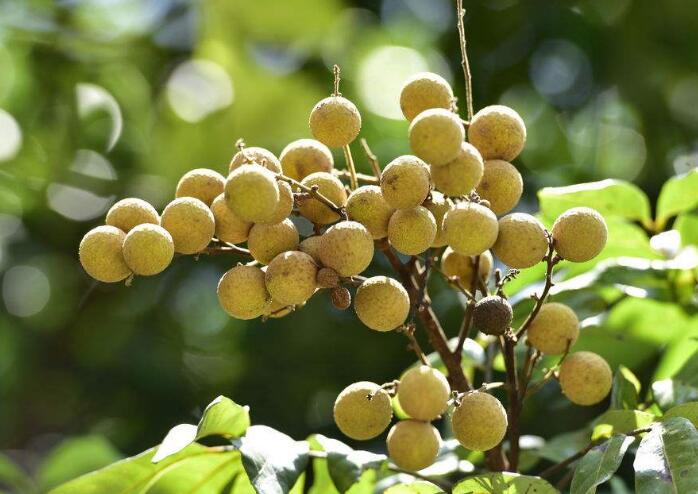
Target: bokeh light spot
[(10, 136), (25, 290), (561, 72), (92, 98), (198, 88)]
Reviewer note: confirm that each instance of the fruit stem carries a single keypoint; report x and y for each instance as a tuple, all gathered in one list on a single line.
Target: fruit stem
[(464, 60), (353, 180), (468, 317), (361, 177), (336, 70), (372, 159), (508, 342), (314, 192)]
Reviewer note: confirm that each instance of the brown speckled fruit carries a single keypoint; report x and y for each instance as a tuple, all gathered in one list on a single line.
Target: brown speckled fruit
[(265, 242), (413, 445), (585, 378), (148, 249), (423, 91), (290, 277), (382, 303), (554, 329), (498, 132), (229, 227), (405, 182), (412, 231), (335, 121), (501, 186), (521, 242), (368, 206), (423, 393), (438, 205), (580, 234), (455, 264), (462, 174), (255, 155), (252, 193), (330, 187), (242, 292), (191, 224), (470, 228), (436, 136), (492, 315), (305, 156), (201, 183), (362, 410), (327, 278), (101, 255), (127, 213), (480, 422), (346, 247)]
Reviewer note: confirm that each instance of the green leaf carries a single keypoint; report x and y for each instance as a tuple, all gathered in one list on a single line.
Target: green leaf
[(563, 446), (346, 466), (599, 464), (11, 475), (686, 410), (620, 422), (208, 474), (671, 392), (678, 194), (414, 488), (687, 226), (666, 459), (322, 482), (626, 389), (178, 438), (503, 483)]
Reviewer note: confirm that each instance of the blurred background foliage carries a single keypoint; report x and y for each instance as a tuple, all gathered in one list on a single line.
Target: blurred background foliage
[(104, 99)]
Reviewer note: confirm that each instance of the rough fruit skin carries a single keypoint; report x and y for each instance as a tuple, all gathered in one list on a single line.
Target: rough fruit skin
[(191, 224), (585, 378), (265, 242), (405, 182), (359, 417), (335, 121), (436, 136), (330, 187), (340, 297), (252, 193), (101, 255), (311, 246), (305, 156), (413, 445), (257, 155), (127, 213), (470, 228), (480, 422), (498, 132), (368, 206), (492, 315), (423, 91), (580, 234), (521, 242), (148, 249), (229, 227), (412, 231), (381, 303), (275, 310), (455, 264), (423, 393), (346, 247), (201, 183), (501, 185), (290, 277), (554, 328), (462, 174), (438, 206), (327, 278), (284, 207), (242, 292)]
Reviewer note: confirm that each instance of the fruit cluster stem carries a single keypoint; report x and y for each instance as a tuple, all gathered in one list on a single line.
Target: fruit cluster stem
[(353, 179), (464, 60), (314, 192)]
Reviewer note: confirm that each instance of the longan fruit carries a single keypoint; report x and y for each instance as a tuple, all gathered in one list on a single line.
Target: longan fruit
[(521, 241), (462, 174), (423, 91), (479, 422), (346, 247), (191, 224), (340, 297), (413, 445), (498, 132), (284, 207), (405, 182), (367, 205), (305, 156), (554, 329), (501, 185), (275, 310), (127, 213), (330, 187), (580, 234), (255, 155), (423, 393), (242, 292), (148, 249), (335, 121), (382, 303), (362, 410), (101, 255), (585, 378), (327, 278), (290, 277), (492, 315), (252, 193), (470, 228), (436, 136), (438, 206), (412, 231), (201, 183), (265, 242), (455, 264), (229, 227), (311, 246)]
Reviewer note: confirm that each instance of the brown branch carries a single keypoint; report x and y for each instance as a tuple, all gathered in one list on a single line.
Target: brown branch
[(218, 249), (508, 342), (408, 331), (315, 193), (464, 61), (372, 159), (468, 317)]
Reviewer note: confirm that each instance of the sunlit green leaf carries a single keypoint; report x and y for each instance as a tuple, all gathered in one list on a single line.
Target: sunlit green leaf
[(620, 422), (503, 483), (686, 410), (414, 488), (687, 226), (626, 388), (599, 464), (11, 475), (678, 194)]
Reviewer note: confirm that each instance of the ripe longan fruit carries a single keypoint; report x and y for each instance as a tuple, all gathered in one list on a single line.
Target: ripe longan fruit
[(191, 224), (580, 234), (229, 227), (423, 393), (346, 247), (585, 378), (362, 410), (521, 241), (242, 292), (436, 136), (405, 182), (305, 156), (412, 231), (423, 91), (252, 193), (275, 310), (479, 422), (255, 155), (455, 264), (438, 206), (413, 445), (554, 328), (311, 246), (284, 207), (330, 187), (462, 174), (335, 121), (498, 132), (148, 249), (101, 254), (501, 185), (290, 277), (493, 315), (201, 183), (265, 242), (382, 303), (368, 206), (470, 228), (127, 213)]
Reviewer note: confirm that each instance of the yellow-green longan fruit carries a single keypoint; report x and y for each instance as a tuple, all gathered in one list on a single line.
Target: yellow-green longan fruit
[(330, 187), (265, 242), (252, 193), (290, 277), (382, 303), (423, 393), (413, 445), (479, 422), (423, 91), (492, 315), (521, 242), (191, 224), (580, 234), (470, 228), (311, 246), (284, 207), (412, 231), (255, 155), (335, 121), (127, 213), (148, 249), (585, 378), (362, 410), (201, 183), (305, 156), (229, 227), (436, 136), (405, 182), (461, 175), (346, 247), (275, 310), (455, 264), (554, 329), (498, 132), (501, 185), (242, 292), (101, 255), (438, 206), (368, 206)]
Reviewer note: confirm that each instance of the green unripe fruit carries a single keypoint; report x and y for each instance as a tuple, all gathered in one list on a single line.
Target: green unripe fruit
[(335, 121), (265, 242), (405, 182), (368, 206), (455, 264), (479, 422), (412, 231), (305, 156), (438, 206), (423, 91), (436, 136), (311, 246), (101, 254), (585, 378), (229, 227), (554, 329), (255, 155), (470, 228), (252, 193), (501, 185), (461, 175), (362, 411), (492, 315), (423, 393), (330, 187), (381, 303), (413, 445), (290, 277), (521, 241), (201, 183), (346, 247), (127, 213), (498, 132), (191, 224), (242, 292), (580, 234), (148, 249)]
